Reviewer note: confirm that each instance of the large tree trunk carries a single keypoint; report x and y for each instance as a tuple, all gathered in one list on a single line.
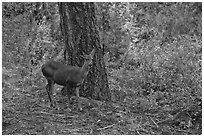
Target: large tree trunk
[(81, 36)]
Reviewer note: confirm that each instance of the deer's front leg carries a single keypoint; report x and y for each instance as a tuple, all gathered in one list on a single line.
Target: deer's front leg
[(66, 90), (78, 99)]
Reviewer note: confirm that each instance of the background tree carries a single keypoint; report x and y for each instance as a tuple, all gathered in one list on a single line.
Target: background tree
[(81, 36)]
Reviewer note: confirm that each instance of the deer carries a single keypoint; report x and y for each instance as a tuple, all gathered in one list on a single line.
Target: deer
[(66, 75)]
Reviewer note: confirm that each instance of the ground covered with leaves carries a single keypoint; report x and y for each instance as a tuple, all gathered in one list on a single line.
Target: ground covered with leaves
[(26, 110)]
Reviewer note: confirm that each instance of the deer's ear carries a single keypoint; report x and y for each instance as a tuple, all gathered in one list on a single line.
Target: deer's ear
[(87, 57), (92, 52), (82, 56)]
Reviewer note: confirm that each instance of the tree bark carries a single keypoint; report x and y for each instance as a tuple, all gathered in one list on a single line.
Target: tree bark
[(83, 34)]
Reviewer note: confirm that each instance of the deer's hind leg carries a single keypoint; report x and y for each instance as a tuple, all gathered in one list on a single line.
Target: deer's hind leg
[(49, 88)]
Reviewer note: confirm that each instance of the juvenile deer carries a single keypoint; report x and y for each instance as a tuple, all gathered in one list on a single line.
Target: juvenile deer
[(67, 76)]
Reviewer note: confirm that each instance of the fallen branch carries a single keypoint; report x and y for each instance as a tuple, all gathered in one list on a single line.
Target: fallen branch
[(106, 127), (154, 122), (89, 101), (42, 112)]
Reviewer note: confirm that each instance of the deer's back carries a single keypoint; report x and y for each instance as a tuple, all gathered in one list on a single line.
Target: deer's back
[(69, 74), (50, 67)]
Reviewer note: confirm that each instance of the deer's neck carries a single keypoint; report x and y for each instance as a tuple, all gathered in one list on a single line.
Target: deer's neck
[(84, 70)]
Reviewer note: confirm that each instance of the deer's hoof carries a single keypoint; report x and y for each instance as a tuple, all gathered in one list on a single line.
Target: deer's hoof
[(57, 108), (80, 109), (54, 105), (51, 105), (69, 110)]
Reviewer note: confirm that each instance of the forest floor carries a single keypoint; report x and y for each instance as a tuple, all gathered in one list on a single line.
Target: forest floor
[(26, 110)]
